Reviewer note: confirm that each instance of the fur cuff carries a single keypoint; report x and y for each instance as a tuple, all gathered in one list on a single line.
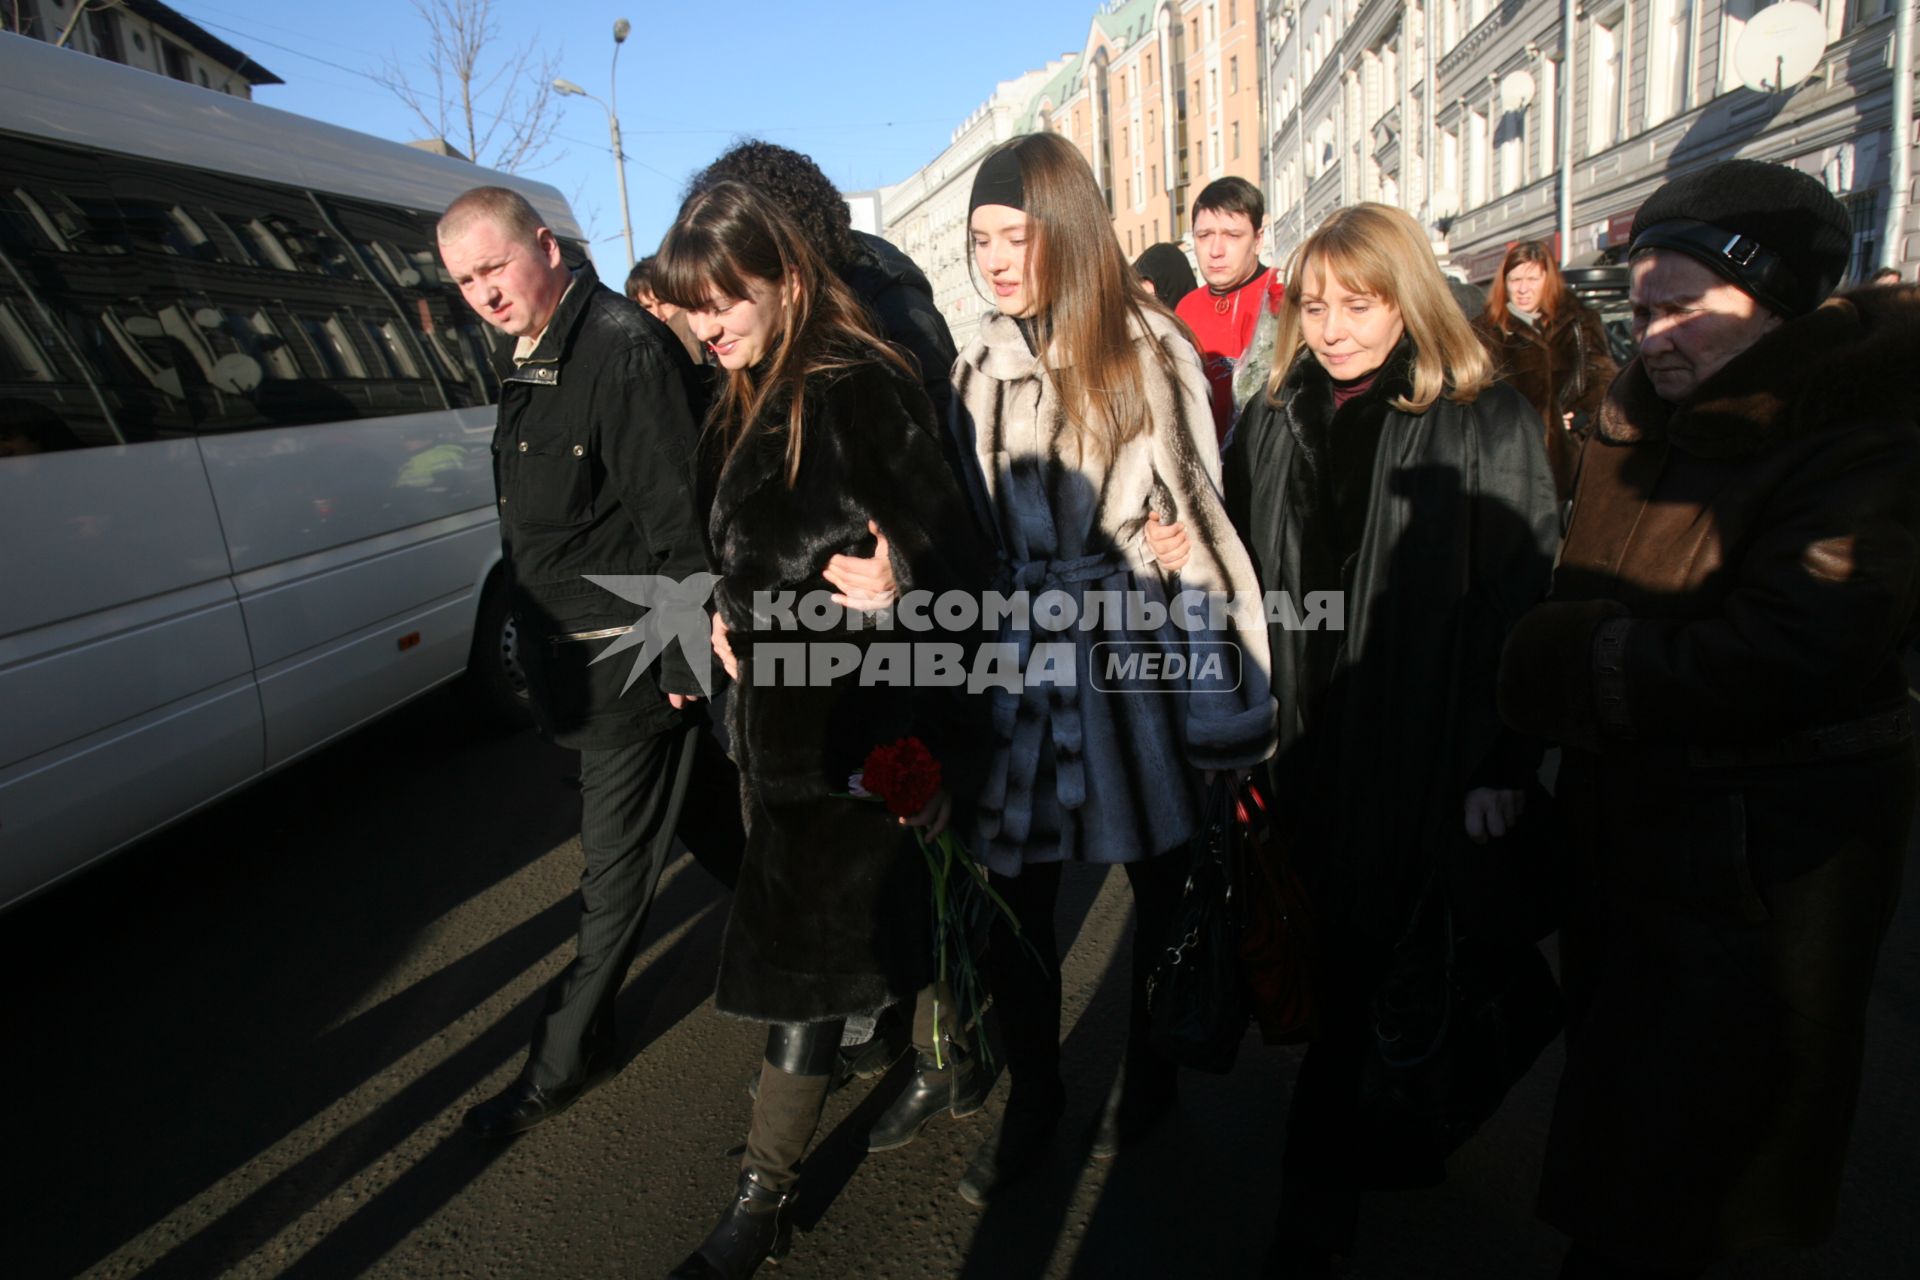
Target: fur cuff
[(1239, 740), (1549, 685)]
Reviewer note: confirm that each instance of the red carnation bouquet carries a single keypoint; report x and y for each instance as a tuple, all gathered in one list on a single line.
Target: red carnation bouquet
[(906, 777)]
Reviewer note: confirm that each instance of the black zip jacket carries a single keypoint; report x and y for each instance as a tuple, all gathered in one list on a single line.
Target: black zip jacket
[(593, 466)]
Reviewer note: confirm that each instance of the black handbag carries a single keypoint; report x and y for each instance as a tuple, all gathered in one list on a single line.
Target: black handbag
[(1196, 995), (1459, 1018)]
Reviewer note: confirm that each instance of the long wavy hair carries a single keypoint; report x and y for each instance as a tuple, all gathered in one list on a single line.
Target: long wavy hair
[(728, 234), (1380, 250), (1085, 293), (1553, 286)]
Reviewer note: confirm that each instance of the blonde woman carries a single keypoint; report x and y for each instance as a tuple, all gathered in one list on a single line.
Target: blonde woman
[(1083, 403), (1383, 465)]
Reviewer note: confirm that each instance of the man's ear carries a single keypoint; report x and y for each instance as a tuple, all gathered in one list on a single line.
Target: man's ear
[(549, 246)]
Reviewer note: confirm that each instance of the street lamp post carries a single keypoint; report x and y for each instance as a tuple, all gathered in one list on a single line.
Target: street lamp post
[(621, 29)]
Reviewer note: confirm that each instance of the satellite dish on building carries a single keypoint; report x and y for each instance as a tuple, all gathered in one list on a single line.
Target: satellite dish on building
[(1780, 46), (1516, 91)]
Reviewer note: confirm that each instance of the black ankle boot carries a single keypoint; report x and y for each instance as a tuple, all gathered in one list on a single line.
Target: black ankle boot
[(754, 1228), (1140, 1098), (1017, 1144), (959, 1088)]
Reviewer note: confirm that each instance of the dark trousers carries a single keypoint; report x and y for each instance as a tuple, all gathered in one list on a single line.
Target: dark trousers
[(1321, 1173), (1026, 993), (633, 800)]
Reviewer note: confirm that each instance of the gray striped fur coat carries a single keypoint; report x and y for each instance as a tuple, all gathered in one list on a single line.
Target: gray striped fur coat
[(1093, 761)]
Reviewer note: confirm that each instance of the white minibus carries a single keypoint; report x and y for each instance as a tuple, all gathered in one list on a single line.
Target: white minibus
[(246, 494)]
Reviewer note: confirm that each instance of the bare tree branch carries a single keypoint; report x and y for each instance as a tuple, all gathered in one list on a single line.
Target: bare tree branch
[(499, 110)]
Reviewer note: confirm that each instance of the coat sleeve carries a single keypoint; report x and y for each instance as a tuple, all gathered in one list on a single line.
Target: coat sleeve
[(648, 438), (1824, 591), (896, 476), (1225, 728), (1515, 536)]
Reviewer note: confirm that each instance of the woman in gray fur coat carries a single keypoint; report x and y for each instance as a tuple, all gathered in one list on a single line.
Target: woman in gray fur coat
[(1084, 404)]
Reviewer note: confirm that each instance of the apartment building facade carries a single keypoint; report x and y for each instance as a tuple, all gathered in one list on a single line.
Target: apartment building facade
[(139, 33), (1457, 110), (925, 214), (1164, 98)]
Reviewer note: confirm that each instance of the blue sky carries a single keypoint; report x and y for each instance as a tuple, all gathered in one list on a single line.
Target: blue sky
[(870, 90)]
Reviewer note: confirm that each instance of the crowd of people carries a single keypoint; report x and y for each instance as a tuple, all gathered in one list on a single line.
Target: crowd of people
[(1689, 582)]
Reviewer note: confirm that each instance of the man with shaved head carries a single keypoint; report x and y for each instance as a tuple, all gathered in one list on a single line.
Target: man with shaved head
[(593, 462)]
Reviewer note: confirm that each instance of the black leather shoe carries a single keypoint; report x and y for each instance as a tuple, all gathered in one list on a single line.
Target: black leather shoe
[(753, 1229), (959, 1088), (1131, 1113), (1016, 1145), (523, 1104)]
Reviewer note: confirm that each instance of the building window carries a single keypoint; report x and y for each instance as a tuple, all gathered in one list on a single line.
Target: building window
[(1149, 66), (174, 61), (106, 36), (1864, 210), (1670, 58), (1510, 143), (1233, 13), (1236, 139), (1605, 82), (1233, 75), (1476, 160), (1734, 16)]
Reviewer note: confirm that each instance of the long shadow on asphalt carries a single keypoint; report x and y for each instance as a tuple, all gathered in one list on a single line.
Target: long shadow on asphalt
[(199, 978), (660, 997)]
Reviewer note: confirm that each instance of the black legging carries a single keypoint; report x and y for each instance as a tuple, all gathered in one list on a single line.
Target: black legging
[(1026, 995)]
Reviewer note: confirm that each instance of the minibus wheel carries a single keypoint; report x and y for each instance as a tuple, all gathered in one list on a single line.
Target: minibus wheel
[(496, 683)]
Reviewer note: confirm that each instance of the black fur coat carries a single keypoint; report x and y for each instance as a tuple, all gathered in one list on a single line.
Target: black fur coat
[(831, 916)]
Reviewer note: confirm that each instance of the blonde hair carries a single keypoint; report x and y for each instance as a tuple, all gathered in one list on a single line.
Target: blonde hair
[(1380, 250), (1086, 293)]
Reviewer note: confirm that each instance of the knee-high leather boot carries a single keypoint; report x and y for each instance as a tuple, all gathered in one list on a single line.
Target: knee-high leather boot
[(793, 1089)]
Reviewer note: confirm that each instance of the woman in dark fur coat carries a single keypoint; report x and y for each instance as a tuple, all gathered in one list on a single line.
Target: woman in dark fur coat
[(1550, 346), (822, 433)]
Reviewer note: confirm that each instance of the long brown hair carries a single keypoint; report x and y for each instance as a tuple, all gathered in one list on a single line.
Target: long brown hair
[(1380, 250), (728, 234), (1553, 286), (1085, 293)]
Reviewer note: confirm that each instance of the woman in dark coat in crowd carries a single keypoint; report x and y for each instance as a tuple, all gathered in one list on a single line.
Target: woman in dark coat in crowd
[(820, 429), (1550, 346), (1723, 663), (1385, 466)]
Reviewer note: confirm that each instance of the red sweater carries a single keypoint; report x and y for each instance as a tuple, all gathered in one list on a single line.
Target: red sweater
[(1224, 324)]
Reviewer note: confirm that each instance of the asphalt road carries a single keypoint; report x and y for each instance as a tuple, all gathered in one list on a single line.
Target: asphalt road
[(245, 1047)]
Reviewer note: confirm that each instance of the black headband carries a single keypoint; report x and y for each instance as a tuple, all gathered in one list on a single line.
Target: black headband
[(1739, 260), (998, 182)]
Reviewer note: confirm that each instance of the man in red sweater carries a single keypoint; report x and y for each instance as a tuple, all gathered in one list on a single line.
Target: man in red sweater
[(1227, 218)]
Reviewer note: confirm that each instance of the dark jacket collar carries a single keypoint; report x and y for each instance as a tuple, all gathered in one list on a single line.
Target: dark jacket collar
[(542, 366), (1855, 358), (1307, 391)]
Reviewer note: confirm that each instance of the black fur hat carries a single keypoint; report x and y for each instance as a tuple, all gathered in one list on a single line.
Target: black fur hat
[(1773, 231)]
